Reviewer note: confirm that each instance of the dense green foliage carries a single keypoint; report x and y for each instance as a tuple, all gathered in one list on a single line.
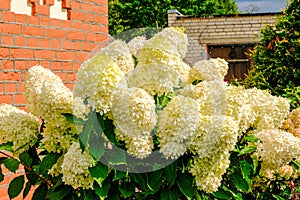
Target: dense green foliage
[(173, 182), (125, 15), (277, 57)]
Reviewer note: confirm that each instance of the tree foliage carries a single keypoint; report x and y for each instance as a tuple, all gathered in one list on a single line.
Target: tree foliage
[(124, 15), (277, 57)]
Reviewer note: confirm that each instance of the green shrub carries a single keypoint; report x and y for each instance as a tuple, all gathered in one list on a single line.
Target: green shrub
[(277, 57)]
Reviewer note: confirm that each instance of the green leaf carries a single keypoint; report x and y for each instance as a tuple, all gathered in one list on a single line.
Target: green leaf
[(251, 138), (113, 197), (221, 194), (109, 131), (1, 174), (115, 156), (154, 181), (240, 183), (26, 189), (73, 119), (16, 186), (246, 170), (6, 146), (119, 175), (170, 172), (31, 177), (185, 184), (25, 158), (102, 191), (40, 193), (126, 189), (297, 164), (11, 164), (100, 121), (169, 194), (100, 170), (247, 150), (60, 192), (96, 145), (233, 194), (90, 195), (48, 162), (85, 134), (277, 197), (140, 180)]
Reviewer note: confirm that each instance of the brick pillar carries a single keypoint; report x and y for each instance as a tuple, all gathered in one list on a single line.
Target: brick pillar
[(172, 17)]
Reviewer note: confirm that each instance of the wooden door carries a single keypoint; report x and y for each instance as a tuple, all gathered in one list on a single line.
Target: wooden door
[(237, 56)]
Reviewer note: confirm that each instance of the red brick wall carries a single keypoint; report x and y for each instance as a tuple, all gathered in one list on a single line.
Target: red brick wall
[(60, 45)]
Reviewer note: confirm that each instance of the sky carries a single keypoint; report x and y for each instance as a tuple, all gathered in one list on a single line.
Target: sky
[(263, 5)]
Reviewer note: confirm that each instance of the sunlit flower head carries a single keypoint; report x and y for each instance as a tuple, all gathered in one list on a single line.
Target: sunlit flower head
[(217, 135), (133, 111), (59, 134), (276, 149), (292, 123), (75, 168), (172, 40), (34, 82), (136, 44), (177, 126), (120, 53), (209, 70), (96, 80), (18, 127)]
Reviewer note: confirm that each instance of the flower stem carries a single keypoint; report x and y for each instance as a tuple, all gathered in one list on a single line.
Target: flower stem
[(48, 182)]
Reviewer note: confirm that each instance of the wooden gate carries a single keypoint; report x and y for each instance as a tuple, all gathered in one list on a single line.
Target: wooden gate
[(237, 56)]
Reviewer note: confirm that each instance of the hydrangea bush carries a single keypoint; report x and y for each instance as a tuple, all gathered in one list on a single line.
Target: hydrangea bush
[(142, 124)]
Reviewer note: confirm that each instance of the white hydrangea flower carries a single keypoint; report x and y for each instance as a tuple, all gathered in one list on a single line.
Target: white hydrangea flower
[(136, 44), (270, 110), (133, 110), (140, 147), (292, 123), (191, 91), (96, 79), (154, 78), (120, 53), (238, 106), (285, 172), (172, 40), (276, 149), (35, 79), (209, 70), (158, 71), (208, 171), (55, 98), (217, 135), (177, 124), (59, 134), (158, 56), (75, 168), (18, 127), (212, 98), (47, 96)]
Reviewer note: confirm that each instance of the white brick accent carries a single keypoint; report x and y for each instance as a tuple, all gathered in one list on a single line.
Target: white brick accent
[(57, 12), (20, 7)]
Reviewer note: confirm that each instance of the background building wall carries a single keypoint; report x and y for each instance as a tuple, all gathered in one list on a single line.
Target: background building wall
[(216, 30)]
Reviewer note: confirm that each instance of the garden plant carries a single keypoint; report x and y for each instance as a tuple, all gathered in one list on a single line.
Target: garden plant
[(142, 124)]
